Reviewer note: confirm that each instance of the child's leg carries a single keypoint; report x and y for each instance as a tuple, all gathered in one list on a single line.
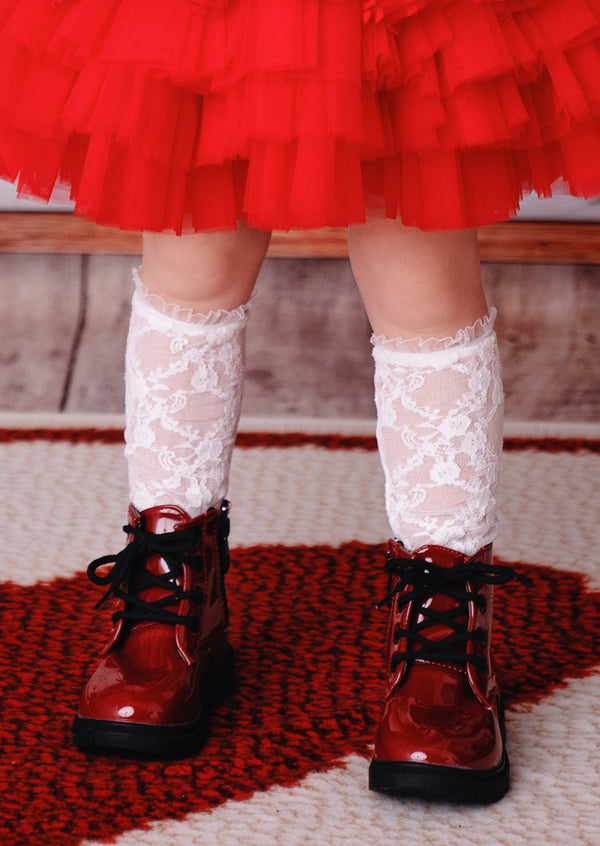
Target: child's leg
[(207, 271), (416, 284), (439, 404), (437, 377), (185, 365), (169, 657)]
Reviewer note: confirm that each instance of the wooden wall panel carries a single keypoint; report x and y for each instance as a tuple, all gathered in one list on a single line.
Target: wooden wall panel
[(523, 241)]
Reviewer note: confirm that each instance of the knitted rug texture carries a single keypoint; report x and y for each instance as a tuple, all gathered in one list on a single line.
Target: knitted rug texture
[(287, 758)]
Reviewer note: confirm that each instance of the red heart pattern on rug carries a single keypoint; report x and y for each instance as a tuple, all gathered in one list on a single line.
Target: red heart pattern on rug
[(309, 644)]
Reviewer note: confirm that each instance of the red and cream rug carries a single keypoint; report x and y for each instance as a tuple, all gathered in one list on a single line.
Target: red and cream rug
[(287, 759)]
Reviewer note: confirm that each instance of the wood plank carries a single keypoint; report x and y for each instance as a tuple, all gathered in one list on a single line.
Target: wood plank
[(515, 241), (56, 232), (548, 318), (540, 243), (41, 298), (97, 378), (308, 349)]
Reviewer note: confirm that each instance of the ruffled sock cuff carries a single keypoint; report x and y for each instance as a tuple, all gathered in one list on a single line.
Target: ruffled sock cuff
[(156, 307)]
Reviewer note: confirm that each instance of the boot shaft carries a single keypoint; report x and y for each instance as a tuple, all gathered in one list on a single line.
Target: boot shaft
[(170, 578), (441, 609)]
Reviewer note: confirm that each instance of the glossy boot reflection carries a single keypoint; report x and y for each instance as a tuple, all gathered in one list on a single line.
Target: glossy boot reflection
[(441, 735), (168, 658)]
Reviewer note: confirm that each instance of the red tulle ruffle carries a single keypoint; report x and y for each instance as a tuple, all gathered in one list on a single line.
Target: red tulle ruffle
[(191, 114)]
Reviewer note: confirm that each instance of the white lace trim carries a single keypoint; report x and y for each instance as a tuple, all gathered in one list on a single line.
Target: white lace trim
[(479, 329), (160, 306), (439, 431), (184, 385)]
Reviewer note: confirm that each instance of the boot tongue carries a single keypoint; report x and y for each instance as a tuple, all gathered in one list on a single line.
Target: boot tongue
[(159, 520), (162, 518), (437, 601)]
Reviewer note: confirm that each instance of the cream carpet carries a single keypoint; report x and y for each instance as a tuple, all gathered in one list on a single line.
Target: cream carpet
[(64, 494)]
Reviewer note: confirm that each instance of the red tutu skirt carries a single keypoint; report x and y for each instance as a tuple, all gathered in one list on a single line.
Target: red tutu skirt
[(185, 115)]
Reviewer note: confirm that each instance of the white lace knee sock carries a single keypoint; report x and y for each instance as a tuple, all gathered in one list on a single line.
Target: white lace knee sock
[(439, 430), (184, 383)]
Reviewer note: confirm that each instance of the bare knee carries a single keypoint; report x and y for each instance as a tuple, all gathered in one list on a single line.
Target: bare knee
[(204, 271), (416, 283)]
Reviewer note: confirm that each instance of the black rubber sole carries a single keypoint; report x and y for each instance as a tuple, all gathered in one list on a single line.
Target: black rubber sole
[(442, 784), (164, 741)]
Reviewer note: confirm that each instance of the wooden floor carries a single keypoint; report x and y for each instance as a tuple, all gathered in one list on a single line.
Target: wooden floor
[(64, 323)]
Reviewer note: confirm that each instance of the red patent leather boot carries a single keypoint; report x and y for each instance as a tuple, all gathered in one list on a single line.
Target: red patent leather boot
[(441, 735), (168, 659)]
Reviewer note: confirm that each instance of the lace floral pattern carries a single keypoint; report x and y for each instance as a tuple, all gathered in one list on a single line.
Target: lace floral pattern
[(184, 384), (439, 430)]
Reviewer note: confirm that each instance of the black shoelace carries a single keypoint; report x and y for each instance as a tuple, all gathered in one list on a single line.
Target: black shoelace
[(128, 577), (424, 580)]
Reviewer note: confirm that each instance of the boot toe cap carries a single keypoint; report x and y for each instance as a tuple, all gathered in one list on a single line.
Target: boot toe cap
[(418, 732), (146, 697)]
